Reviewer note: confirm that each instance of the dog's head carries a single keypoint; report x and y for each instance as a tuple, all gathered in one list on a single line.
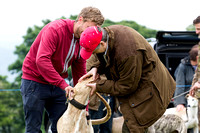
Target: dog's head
[(81, 88), (192, 101)]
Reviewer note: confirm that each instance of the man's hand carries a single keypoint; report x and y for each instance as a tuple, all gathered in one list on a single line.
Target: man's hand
[(92, 72), (179, 107), (93, 86), (68, 89), (194, 88)]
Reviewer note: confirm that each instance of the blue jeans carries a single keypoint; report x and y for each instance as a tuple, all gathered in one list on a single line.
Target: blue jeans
[(37, 97), (105, 127)]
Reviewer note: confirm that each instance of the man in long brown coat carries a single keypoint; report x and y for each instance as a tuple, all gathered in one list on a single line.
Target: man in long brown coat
[(135, 74)]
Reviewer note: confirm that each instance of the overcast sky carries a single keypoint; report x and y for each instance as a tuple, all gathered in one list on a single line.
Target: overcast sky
[(17, 15)]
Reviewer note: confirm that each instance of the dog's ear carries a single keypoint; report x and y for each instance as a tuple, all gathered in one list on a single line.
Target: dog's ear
[(72, 93), (187, 95)]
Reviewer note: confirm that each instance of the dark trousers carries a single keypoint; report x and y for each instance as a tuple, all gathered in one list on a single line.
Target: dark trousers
[(37, 97), (105, 127)]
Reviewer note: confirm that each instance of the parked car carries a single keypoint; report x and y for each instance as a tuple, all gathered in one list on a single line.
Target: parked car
[(172, 46)]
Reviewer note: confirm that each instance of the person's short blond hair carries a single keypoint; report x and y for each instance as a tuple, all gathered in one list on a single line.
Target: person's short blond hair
[(91, 14)]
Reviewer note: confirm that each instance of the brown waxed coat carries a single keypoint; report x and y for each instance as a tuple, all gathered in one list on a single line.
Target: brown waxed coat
[(136, 76)]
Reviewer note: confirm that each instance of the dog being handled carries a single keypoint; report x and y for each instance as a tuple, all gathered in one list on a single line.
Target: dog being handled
[(74, 118)]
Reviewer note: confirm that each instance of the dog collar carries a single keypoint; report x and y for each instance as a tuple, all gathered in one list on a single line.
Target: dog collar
[(77, 104)]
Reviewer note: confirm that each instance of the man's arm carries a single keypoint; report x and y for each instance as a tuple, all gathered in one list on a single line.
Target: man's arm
[(130, 71), (44, 64)]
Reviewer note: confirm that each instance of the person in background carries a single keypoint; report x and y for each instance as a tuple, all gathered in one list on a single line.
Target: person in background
[(184, 76), (134, 72), (45, 68)]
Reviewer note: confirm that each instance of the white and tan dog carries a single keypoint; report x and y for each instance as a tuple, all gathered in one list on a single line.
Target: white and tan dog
[(74, 119), (182, 113), (192, 113), (166, 124), (190, 116)]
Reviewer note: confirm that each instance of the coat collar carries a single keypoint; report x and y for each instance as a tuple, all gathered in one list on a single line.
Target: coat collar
[(110, 45)]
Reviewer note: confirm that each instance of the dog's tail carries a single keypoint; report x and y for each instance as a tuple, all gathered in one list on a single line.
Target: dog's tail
[(108, 115)]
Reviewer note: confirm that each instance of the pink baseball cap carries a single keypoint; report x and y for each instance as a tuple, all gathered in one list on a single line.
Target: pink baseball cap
[(89, 40)]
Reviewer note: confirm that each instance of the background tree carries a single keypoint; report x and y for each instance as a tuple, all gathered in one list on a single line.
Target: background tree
[(190, 28), (4, 84), (144, 31), (11, 113)]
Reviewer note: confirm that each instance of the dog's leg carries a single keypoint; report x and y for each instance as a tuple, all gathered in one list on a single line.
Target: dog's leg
[(196, 129)]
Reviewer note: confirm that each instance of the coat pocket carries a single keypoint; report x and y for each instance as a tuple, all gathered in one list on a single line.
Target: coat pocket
[(146, 104)]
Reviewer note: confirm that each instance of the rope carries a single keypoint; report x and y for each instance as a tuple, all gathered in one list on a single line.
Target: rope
[(180, 95), (180, 86)]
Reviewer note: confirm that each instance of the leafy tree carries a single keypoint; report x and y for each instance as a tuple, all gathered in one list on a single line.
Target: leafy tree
[(4, 83), (11, 113), (72, 17), (190, 28), (147, 33)]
